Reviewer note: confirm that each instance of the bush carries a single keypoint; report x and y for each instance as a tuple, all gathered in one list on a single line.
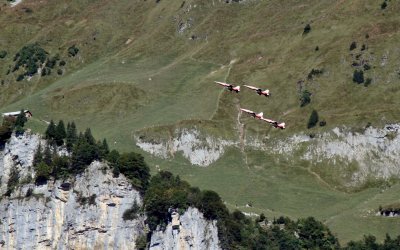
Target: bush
[(131, 213), (314, 72), (20, 78), (46, 71), (141, 242), (305, 98), (363, 47), (367, 82), (42, 173), (367, 67), (12, 181), (313, 120), (307, 29), (31, 57), (322, 123), (6, 130), (73, 51), (3, 54), (133, 166), (62, 63), (358, 76), (59, 72), (353, 45), (383, 5)]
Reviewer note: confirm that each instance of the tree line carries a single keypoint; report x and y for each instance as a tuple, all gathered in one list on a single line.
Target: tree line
[(82, 149)]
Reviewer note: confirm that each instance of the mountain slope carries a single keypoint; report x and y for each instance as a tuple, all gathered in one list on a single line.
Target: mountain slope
[(145, 69)]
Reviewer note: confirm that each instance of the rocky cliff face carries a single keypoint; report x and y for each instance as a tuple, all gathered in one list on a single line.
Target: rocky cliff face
[(194, 232), (198, 149), (85, 213), (374, 151), (81, 213)]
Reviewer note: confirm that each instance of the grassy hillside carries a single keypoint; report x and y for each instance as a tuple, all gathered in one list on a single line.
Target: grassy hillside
[(143, 64)]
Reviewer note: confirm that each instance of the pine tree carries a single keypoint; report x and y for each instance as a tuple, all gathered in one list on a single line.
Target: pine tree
[(313, 119), (89, 137), (103, 149), (51, 131), (71, 136), (21, 119), (38, 157), (60, 133), (358, 76), (47, 156)]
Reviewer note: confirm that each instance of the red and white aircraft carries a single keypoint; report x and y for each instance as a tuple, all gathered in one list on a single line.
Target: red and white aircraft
[(229, 86), (252, 113), (275, 124), (258, 90)]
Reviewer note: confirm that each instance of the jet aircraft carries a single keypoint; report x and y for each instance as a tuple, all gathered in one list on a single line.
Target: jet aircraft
[(253, 114), (230, 87), (258, 90), (275, 124)]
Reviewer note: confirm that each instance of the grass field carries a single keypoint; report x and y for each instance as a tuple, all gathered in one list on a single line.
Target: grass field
[(145, 66)]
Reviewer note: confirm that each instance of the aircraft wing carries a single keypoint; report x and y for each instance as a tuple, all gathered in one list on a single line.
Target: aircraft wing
[(268, 120), (251, 87), (248, 111), (223, 84)]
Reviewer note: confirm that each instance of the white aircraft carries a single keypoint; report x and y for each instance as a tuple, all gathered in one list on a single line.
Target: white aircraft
[(229, 86), (258, 90), (275, 124), (252, 113)]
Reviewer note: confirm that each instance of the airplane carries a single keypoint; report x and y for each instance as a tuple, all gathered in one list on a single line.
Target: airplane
[(258, 90), (229, 86), (275, 124), (252, 113)]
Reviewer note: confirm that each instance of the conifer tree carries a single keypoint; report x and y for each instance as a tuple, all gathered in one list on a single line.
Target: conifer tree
[(51, 131), (60, 134), (313, 119), (47, 156), (71, 136), (38, 157), (20, 122), (89, 137), (103, 149), (21, 119)]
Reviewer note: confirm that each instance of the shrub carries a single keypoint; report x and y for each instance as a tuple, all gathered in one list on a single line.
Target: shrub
[(367, 67), (316, 48), (358, 76), (6, 129), (367, 82), (353, 45), (305, 98), (322, 123), (363, 47), (3, 54), (73, 51), (383, 5), (131, 213), (314, 72), (313, 120), (20, 77), (12, 181), (62, 63), (31, 57), (46, 71), (42, 173), (307, 29), (59, 72)]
